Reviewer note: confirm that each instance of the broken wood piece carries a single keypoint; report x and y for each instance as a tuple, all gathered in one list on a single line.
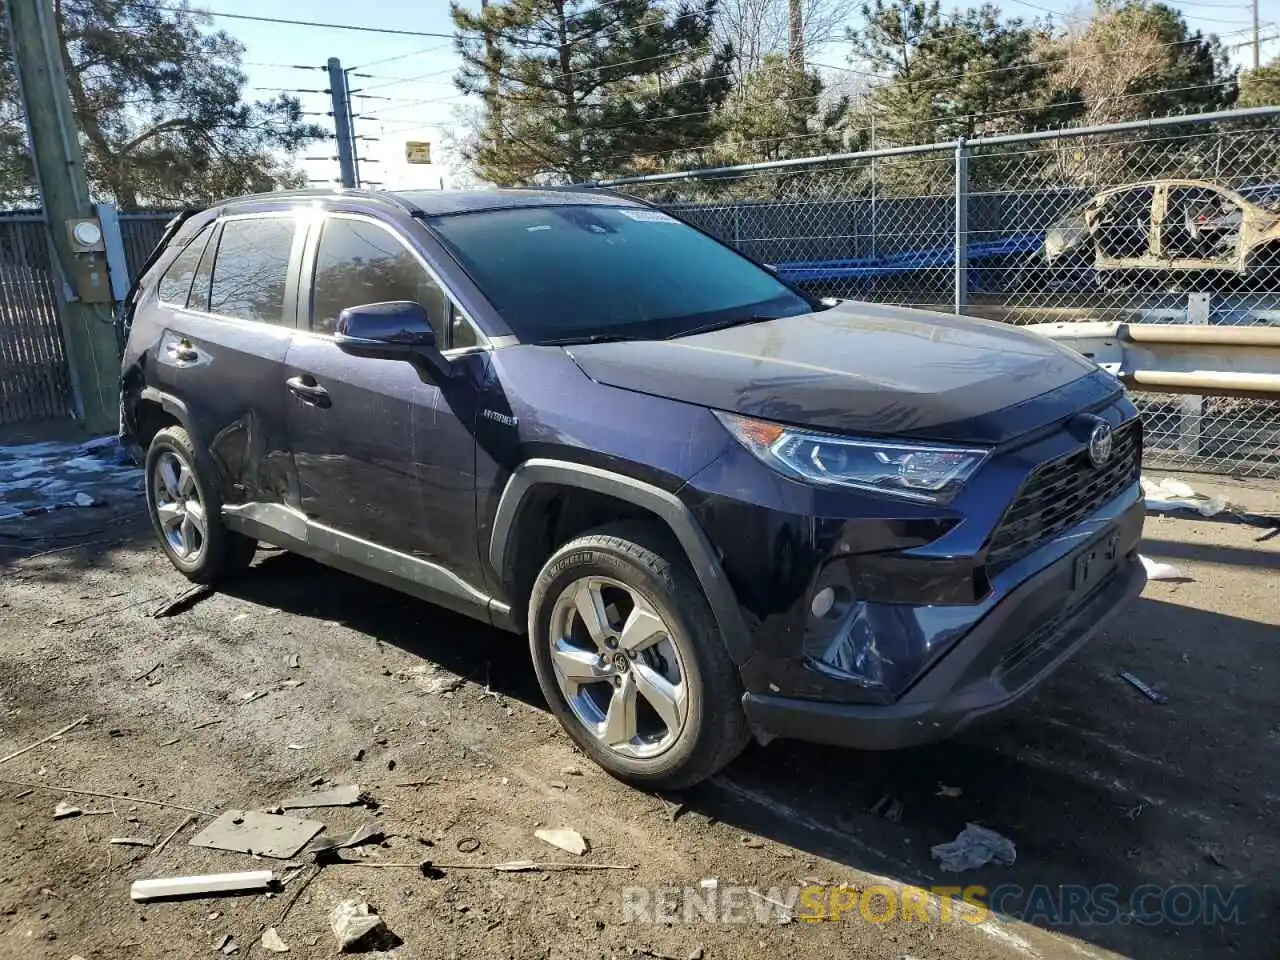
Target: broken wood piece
[(202, 885), (53, 736), (131, 842), (105, 796), (146, 673), (65, 810), (264, 834), (205, 723), (176, 830), (347, 796), (182, 602)]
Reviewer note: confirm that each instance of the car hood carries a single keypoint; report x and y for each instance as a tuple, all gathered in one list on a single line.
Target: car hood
[(867, 369)]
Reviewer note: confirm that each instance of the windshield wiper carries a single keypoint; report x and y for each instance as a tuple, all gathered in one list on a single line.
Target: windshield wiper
[(590, 338), (722, 325)]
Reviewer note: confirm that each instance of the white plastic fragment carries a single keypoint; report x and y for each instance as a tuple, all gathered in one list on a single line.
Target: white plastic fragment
[(354, 924), (64, 810), (974, 847), (570, 841), (271, 941), (1162, 571), (209, 883)]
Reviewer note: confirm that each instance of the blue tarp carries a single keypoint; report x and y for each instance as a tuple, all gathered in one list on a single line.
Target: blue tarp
[(811, 271)]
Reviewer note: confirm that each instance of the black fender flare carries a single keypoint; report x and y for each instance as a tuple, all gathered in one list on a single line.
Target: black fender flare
[(666, 506)]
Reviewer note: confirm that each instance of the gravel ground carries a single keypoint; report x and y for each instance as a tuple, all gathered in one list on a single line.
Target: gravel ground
[(1094, 783)]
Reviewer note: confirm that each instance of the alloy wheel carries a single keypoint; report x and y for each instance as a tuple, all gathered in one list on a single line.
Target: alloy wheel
[(619, 666), (179, 507)]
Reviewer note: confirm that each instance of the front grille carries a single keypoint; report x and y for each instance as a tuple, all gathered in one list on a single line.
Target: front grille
[(1062, 493)]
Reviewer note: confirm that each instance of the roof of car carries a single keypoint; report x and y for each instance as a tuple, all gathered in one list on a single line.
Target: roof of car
[(433, 203)]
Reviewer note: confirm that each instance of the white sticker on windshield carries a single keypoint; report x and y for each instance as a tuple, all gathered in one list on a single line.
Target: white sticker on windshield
[(645, 215)]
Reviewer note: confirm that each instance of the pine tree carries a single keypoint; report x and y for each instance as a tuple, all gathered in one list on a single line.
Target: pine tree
[(574, 90)]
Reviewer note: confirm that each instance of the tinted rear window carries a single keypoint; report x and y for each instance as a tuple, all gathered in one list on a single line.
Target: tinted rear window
[(568, 271), (252, 268)]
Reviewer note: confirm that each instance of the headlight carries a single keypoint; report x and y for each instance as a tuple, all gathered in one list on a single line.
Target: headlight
[(913, 470)]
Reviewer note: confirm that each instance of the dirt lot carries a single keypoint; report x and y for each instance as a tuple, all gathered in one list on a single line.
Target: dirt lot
[(1093, 782)]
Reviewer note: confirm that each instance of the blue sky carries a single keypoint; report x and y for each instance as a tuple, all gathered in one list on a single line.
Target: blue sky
[(419, 78)]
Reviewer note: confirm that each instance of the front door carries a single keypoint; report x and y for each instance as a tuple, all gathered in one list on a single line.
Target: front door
[(384, 453)]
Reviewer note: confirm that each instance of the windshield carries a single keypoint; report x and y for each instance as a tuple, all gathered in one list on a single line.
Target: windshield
[(568, 272)]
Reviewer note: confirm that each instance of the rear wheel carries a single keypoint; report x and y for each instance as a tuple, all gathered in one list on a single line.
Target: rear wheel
[(630, 659), (186, 511)]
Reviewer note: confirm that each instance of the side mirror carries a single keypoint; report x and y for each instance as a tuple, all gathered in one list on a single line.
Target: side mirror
[(395, 330)]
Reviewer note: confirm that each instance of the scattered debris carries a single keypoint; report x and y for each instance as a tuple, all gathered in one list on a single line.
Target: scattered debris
[(1162, 571), (230, 946), (347, 796), (364, 834), (974, 847), (104, 796), (893, 812), (271, 941), (53, 736), (65, 810), (431, 680), (573, 770), (296, 746), (171, 742), (222, 941), (430, 867), (182, 602), (570, 841), (146, 673), (787, 914), (252, 695), (264, 834), (205, 723), (754, 843), (357, 926), (1152, 694), (176, 830), (292, 684), (358, 755), (467, 845), (203, 885), (294, 662), (131, 842), (945, 791)]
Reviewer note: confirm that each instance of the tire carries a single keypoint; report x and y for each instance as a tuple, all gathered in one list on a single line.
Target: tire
[(186, 511), (636, 580)]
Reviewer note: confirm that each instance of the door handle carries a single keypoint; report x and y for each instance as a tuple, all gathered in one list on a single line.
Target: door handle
[(307, 390)]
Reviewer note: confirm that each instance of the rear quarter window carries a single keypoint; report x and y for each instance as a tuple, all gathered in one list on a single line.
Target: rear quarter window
[(175, 284)]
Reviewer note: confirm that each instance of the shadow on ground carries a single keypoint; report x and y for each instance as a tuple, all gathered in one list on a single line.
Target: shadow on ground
[(1094, 783)]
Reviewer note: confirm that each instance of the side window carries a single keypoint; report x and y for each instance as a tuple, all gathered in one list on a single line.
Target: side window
[(199, 298), (177, 279), (359, 262), (462, 333), (251, 269)]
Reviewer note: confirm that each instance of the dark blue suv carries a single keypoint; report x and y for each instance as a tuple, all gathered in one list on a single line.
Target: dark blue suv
[(716, 506)]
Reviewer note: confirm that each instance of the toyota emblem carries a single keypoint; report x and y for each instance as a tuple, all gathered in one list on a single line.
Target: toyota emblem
[(1100, 443)]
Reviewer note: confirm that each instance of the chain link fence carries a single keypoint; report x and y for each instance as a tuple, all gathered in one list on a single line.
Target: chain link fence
[(1174, 220)]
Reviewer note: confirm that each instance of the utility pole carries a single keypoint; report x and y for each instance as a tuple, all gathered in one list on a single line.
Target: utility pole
[(341, 100), (1257, 42), (64, 194), (795, 34)]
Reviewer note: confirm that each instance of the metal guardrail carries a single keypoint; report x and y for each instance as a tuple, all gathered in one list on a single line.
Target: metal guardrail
[(1165, 358)]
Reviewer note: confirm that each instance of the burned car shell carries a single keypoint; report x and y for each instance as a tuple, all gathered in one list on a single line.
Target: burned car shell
[(1240, 236)]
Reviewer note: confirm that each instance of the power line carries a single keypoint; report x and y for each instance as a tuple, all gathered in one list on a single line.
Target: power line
[(404, 56), (351, 27)]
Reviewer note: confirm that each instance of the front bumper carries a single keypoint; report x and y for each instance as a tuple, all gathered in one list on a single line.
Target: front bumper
[(1033, 629)]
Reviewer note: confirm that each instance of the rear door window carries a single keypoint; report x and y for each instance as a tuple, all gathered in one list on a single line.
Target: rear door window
[(251, 270), (176, 282)]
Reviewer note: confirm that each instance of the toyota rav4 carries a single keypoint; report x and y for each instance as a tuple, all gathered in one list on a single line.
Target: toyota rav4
[(716, 507)]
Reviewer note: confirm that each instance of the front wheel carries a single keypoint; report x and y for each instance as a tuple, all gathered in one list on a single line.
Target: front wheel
[(631, 661)]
